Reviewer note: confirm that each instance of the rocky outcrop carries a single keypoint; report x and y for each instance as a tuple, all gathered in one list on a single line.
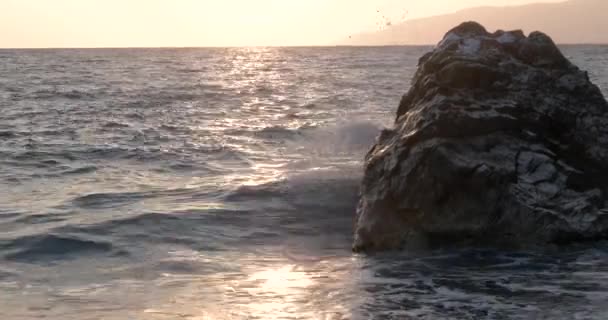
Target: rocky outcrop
[(499, 140)]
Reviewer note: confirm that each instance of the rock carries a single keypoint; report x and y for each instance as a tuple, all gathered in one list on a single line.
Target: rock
[(500, 140)]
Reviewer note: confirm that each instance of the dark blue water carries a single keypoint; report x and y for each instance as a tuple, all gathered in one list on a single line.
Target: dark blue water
[(221, 184)]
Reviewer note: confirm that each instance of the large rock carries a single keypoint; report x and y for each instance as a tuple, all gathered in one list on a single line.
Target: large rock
[(500, 140)]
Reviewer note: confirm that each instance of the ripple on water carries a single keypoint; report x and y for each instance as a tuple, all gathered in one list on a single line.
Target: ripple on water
[(471, 284), (222, 183)]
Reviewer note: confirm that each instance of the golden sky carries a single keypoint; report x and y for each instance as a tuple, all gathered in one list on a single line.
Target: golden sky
[(191, 23)]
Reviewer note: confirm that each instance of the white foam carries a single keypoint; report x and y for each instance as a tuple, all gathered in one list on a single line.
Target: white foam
[(353, 137)]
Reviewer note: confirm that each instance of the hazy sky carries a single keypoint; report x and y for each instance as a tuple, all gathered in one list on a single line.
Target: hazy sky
[(154, 23)]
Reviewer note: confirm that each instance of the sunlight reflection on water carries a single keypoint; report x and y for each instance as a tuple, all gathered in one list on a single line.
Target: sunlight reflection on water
[(281, 290)]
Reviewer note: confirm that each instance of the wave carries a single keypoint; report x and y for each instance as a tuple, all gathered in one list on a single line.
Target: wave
[(71, 94), (7, 273), (268, 133), (64, 172), (178, 228), (8, 134), (346, 137), (314, 201), (176, 128), (52, 247), (121, 199), (32, 219), (255, 192), (32, 155), (276, 132), (315, 181), (78, 171), (115, 125), (116, 152), (138, 222), (108, 200)]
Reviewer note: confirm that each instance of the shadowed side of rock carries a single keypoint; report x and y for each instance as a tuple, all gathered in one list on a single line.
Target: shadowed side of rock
[(499, 140)]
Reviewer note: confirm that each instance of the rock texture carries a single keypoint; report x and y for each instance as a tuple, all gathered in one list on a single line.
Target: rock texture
[(499, 140)]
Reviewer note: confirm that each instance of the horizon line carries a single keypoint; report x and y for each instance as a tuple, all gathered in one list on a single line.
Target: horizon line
[(267, 46)]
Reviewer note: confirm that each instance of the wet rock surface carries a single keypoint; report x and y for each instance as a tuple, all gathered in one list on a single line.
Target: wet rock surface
[(500, 140)]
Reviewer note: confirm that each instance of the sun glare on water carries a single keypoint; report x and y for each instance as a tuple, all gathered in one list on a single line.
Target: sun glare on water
[(277, 290)]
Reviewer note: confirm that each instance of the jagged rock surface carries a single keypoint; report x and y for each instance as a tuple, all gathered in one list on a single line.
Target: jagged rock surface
[(499, 140)]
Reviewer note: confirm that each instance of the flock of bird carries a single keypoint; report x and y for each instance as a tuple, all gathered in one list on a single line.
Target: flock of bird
[(383, 22)]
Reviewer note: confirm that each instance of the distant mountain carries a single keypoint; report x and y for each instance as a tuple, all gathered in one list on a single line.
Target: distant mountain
[(570, 22)]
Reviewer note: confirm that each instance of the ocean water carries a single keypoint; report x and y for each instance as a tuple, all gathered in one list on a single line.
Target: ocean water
[(221, 184)]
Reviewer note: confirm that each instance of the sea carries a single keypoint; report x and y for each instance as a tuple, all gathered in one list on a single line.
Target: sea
[(221, 183)]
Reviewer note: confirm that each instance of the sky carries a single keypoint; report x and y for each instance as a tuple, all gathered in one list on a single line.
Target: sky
[(196, 23)]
